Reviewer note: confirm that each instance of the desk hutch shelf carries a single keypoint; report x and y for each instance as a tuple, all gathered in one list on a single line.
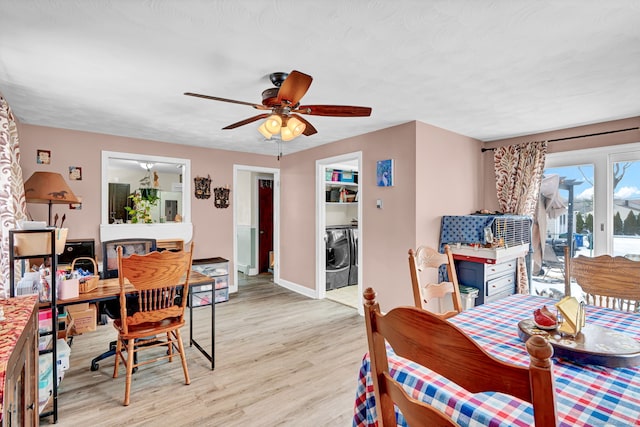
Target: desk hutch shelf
[(27, 245)]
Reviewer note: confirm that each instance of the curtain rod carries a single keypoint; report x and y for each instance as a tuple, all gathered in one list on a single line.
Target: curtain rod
[(578, 136)]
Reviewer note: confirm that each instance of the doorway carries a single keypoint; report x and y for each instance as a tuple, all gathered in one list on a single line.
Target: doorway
[(339, 222), (265, 225), (598, 194), (255, 222)]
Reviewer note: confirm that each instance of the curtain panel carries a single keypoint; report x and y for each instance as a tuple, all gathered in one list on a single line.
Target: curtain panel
[(12, 202), (518, 170)]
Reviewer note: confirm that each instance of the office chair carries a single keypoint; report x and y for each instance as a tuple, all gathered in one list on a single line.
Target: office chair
[(111, 308)]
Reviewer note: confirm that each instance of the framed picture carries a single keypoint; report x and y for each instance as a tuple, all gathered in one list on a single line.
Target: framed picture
[(384, 173), (75, 173), (43, 157)]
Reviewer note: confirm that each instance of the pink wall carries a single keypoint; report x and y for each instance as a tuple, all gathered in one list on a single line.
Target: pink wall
[(435, 175), (628, 137), (424, 158), (212, 227), (447, 170)]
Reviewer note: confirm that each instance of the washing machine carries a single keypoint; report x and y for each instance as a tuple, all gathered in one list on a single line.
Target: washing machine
[(338, 256)]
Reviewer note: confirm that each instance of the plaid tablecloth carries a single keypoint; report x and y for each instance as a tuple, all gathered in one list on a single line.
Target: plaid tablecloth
[(586, 395)]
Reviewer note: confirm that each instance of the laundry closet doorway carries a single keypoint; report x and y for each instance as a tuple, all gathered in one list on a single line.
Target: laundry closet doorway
[(338, 226)]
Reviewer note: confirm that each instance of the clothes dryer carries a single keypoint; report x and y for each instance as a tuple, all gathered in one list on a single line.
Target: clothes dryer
[(338, 256)]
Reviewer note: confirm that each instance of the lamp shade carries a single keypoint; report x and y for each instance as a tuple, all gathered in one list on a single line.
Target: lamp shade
[(263, 130), (296, 126), (273, 123), (48, 187)]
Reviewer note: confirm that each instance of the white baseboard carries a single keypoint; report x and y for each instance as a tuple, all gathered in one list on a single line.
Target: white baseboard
[(252, 271), (302, 290)]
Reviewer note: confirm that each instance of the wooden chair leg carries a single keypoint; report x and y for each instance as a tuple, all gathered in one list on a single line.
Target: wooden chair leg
[(130, 350), (170, 346), (183, 356), (118, 356)]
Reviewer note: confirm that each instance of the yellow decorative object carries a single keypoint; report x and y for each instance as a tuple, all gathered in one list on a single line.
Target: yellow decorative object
[(573, 315)]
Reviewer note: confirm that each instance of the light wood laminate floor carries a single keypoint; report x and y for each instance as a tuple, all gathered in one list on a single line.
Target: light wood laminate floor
[(281, 360)]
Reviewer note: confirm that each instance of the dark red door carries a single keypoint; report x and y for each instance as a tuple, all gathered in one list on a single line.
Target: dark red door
[(265, 223)]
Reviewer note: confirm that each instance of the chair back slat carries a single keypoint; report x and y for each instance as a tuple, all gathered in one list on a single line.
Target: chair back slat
[(161, 280), (612, 282), (425, 258)]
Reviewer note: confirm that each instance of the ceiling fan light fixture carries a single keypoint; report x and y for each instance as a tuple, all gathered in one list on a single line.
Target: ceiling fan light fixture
[(296, 126), (286, 134), (273, 123), (263, 130)]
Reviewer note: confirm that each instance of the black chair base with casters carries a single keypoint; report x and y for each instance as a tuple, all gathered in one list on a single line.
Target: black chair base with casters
[(111, 309)]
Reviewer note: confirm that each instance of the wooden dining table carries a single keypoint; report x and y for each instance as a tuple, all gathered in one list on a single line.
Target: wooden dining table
[(586, 395)]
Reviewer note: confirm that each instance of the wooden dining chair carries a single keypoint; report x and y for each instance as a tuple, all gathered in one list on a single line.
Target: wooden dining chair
[(437, 344), (612, 282), (423, 258), (161, 282)]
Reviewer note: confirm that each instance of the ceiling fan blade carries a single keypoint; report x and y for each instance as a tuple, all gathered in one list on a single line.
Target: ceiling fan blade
[(233, 101), (294, 87), (309, 129), (334, 110), (246, 121)]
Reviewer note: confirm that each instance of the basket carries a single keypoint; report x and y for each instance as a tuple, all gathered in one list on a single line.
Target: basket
[(87, 283)]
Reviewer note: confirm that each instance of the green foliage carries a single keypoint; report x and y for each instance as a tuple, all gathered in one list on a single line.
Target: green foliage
[(589, 223), (143, 201), (630, 225), (579, 223), (617, 224)]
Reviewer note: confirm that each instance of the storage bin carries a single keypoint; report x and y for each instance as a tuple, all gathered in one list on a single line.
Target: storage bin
[(222, 282), (68, 289), (347, 176), (44, 371), (222, 295), (200, 288), (43, 342), (64, 352), (199, 299), (27, 244), (468, 295), (44, 320)]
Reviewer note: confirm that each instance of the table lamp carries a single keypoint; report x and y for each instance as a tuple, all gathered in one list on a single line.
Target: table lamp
[(50, 188)]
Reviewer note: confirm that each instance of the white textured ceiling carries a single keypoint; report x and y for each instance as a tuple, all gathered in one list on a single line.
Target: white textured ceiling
[(486, 69)]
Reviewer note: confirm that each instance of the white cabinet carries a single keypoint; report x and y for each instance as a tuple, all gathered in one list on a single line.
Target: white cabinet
[(494, 281)]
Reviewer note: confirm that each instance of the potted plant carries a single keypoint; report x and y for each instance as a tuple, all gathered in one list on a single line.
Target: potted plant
[(143, 201)]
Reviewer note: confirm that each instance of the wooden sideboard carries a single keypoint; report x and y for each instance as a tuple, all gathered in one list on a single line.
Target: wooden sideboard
[(19, 376)]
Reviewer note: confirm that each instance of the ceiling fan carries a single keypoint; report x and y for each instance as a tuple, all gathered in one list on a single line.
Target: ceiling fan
[(282, 104)]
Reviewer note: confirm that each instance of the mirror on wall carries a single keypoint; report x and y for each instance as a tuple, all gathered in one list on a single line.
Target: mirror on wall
[(145, 196)]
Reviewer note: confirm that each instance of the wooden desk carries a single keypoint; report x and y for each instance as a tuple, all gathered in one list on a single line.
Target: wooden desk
[(109, 289)]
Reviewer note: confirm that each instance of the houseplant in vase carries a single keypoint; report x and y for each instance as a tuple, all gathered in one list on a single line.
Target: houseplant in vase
[(143, 201)]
